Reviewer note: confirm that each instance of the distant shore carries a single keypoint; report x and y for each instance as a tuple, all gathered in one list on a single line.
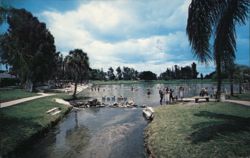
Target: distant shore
[(180, 81)]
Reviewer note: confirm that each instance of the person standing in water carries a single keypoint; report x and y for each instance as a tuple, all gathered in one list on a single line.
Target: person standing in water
[(181, 92), (148, 92), (171, 97), (167, 97), (161, 96)]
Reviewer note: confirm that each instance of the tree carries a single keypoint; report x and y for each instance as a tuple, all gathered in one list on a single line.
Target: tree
[(201, 76), (147, 75), (77, 62), (215, 18), (97, 74), (28, 47), (119, 73), (110, 73), (194, 71)]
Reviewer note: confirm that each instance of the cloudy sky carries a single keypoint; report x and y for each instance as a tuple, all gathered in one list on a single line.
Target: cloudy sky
[(143, 34)]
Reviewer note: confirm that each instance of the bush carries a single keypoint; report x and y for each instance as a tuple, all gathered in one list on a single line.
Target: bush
[(8, 82)]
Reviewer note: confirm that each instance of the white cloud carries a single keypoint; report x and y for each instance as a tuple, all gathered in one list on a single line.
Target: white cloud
[(124, 33)]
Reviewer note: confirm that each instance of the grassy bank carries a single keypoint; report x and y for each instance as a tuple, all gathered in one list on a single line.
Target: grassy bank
[(98, 82), (201, 130), (244, 96), (13, 94), (27, 120)]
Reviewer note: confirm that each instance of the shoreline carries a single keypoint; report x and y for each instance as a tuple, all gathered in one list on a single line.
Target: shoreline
[(39, 135), (49, 122)]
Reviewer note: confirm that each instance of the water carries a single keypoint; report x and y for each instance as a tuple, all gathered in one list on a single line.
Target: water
[(105, 132), (138, 92), (94, 133)]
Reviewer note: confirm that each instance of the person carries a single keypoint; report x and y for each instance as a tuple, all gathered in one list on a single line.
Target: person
[(181, 91), (202, 92), (206, 92), (215, 92), (167, 98), (161, 96), (148, 92), (171, 97)]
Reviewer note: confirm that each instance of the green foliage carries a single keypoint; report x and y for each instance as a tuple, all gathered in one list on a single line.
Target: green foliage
[(28, 47), (8, 82), (204, 130), (187, 72), (129, 73), (119, 73), (111, 74), (147, 75), (77, 65), (96, 74)]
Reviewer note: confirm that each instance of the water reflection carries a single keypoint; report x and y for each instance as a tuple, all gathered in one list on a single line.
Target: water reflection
[(106, 132)]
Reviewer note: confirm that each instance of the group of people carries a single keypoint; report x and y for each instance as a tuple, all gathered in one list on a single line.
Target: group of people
[(204, 92), (167, 95)]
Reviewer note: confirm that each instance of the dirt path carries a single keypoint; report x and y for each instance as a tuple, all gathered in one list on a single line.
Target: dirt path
[(247, 103), (18, 101)]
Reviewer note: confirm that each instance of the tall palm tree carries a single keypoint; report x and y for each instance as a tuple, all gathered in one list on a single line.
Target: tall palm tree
[(217, 19), (77, 63)]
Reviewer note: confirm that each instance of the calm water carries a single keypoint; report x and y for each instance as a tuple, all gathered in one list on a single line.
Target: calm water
[(105, 132)]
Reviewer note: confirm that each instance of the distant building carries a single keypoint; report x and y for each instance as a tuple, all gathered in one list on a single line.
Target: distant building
[(6, 75)]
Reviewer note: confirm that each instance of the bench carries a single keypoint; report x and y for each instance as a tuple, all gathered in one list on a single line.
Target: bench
[(197, 98), (52, 110)]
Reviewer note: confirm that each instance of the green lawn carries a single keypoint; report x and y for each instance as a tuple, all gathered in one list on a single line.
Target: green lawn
[(12, 94), (244, 96), (202, 130), (20, 122)]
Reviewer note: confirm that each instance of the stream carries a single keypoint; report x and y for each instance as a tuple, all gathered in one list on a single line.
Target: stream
[(105, 132)]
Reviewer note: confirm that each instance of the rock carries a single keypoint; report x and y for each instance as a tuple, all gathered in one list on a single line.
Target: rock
[(148, 113), (131, 103), (115, 104), (143, 106)]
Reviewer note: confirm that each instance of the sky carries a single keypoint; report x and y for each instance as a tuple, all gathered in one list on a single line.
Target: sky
[(143, 34)]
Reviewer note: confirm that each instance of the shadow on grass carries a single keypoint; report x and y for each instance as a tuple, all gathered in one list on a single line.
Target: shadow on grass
[(206, 131)]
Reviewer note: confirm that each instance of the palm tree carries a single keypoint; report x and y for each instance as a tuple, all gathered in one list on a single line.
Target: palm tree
[(77, 63), (215, 18)]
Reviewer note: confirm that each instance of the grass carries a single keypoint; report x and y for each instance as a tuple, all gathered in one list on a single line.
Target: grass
[(21, 122), (243, 96), (13, 94), (201, 130)]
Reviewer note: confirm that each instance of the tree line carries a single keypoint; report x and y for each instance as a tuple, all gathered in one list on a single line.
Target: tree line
[(186, 72)]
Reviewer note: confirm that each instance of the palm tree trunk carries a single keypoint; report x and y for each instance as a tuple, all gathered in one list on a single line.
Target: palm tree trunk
[(75, 89), (219, 81), (240, 90)]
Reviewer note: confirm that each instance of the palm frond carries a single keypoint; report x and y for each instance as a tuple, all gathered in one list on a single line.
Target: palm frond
[(202, 16), (235, 12)]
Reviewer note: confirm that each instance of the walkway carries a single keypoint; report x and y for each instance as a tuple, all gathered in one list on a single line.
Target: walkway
[(247, 103), (18, 101)]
